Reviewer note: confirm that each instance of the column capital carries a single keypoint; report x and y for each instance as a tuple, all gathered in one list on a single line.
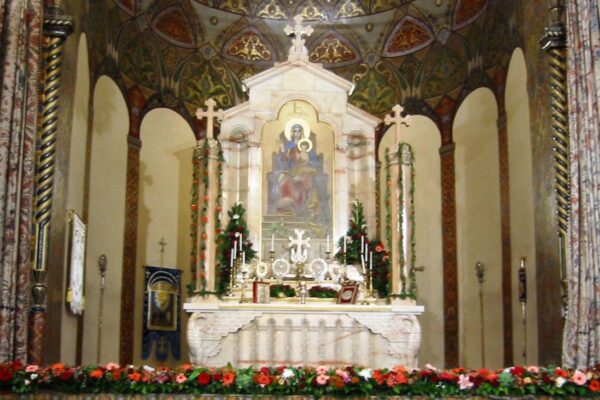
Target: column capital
[(56, 22)]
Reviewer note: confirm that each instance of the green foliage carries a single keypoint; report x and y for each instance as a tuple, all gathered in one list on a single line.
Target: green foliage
[(322, 292), (236, 226), (381, 258), (280, 290)]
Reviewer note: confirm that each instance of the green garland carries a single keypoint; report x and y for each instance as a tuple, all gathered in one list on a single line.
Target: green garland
[(322, 292), (191, 287), (411, 290), (280, 290)]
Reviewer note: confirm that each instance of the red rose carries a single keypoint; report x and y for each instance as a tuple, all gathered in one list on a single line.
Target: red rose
[(17, 365), (68, 374), (204, 378), (517, 370), (594, 385), (5, 374), (263, 379), (97, 374), (264, 371), (561, 372), (217, 377)]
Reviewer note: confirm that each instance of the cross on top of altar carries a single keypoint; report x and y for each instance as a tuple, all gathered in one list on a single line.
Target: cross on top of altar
[(299, 245), (396, 118), (298, 51), (209, 114)]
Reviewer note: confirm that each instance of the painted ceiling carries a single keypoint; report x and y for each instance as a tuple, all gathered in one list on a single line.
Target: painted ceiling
[(177, 53)]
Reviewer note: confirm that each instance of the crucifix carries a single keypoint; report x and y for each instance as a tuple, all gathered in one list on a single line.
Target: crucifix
[(162, 245), (209, 114), (298, 51), (397, 118)]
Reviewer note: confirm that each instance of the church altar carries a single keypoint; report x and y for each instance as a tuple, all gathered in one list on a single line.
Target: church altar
[(302, 160)]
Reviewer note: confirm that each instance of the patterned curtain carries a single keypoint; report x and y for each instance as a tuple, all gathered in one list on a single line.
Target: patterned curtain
[(581, 343), (20, 30)]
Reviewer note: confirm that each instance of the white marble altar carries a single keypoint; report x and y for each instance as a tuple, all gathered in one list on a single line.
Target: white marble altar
[(303, 334), (298, 103)]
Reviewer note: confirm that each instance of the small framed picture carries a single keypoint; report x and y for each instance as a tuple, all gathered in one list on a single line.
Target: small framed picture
[(261, 292), (347, 294)]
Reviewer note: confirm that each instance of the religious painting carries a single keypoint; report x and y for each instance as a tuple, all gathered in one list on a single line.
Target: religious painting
[(261, 292), (298, 177), (347, 294), (161, 312)]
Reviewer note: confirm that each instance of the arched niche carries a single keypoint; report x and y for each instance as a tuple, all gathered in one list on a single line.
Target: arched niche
[(164, 211), (106, 219), (478, 227), (522, 224), (76, 178), (425, 139)]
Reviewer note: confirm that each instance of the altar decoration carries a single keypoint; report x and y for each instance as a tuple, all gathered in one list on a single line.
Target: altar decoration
[(309, 381), (161, 330), (232, 243)]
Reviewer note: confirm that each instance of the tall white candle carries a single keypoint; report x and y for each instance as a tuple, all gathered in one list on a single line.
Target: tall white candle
[(371, 260), (273, 242), (231, 257), (362, 243), (235, 247), (344, 244), (243, 258), (328, 243), (241, 242), (366, 250)]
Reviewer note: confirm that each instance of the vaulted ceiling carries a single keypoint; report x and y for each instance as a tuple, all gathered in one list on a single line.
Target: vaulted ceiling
[(177, 53)]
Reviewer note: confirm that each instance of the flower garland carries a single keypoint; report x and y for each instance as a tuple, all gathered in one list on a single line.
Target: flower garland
[(322, 292), (195, 199), (281, 290), (320, 381)]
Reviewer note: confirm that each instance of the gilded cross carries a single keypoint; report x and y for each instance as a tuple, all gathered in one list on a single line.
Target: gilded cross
[(210, 113), (298, 49), (397, 118)]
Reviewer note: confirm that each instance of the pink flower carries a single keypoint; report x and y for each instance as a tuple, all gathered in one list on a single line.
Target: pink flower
[(322, 379), (579, 378), (322, 370), (180, 378), (464, 382), (32, 368), (533, 369), (111, 365), (343, 374)]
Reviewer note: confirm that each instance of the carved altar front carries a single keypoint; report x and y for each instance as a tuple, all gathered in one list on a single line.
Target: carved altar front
[(295, 334), (300, 157)]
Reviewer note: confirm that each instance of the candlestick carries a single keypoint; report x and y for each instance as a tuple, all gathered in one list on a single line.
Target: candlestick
[(231, 257), (327, 243), (273, 242), (243, 258)]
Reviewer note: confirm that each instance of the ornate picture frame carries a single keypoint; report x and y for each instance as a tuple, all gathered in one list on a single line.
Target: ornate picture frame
[(261, 292), (162, 293), (348, 294)]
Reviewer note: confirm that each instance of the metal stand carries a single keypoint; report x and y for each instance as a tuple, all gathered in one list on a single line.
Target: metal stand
[(480, 271), (102, 263)]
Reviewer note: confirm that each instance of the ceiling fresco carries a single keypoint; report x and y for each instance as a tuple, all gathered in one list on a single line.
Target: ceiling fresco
[(180, 52)]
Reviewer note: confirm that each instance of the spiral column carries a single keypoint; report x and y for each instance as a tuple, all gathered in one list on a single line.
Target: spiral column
[(554, 42), (57, 27)]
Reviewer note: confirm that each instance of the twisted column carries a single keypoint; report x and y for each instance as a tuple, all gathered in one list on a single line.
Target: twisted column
[(554, 42), (57, 27)]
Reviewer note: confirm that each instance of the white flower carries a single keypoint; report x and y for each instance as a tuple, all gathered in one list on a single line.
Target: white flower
[(236, 216), (430, 367), (287, 373), (27, 382), (33, 376), (560, 381), (366, 373), (148, 368)]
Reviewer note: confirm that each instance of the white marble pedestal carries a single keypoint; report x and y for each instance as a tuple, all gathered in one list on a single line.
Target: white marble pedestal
[(303, 334)]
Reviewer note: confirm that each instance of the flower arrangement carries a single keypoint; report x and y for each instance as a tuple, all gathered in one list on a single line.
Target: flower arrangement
[(281, 290), (322, 292), (320, 381)]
